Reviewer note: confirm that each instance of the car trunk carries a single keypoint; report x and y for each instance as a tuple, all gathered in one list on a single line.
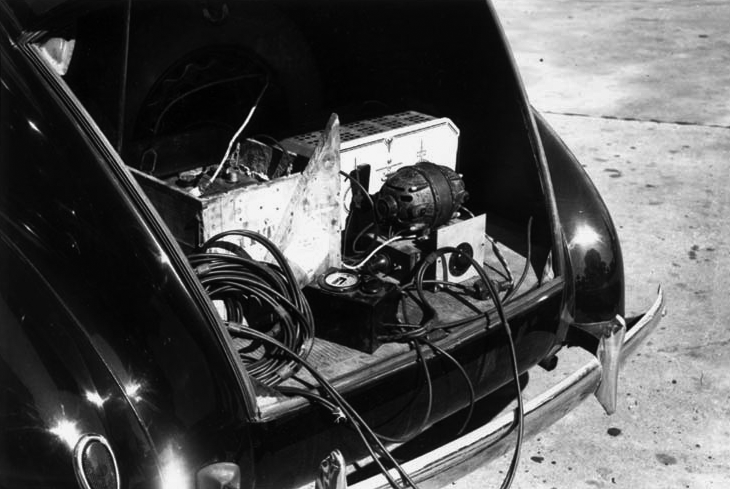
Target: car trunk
[(364, 61)]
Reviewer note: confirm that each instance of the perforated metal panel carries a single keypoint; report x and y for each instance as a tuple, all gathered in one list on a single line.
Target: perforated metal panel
[(385, 144), (361, 129)]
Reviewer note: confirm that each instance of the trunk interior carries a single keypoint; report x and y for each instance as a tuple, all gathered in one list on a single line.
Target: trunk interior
[(176, 106)]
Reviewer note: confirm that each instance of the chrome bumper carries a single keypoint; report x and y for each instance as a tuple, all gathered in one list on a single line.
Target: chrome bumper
[(438, 467)]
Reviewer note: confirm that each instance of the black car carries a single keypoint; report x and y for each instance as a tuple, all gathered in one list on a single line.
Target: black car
[(250, 244)]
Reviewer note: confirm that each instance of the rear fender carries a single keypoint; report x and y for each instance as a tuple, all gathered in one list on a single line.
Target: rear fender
[(594, 252)]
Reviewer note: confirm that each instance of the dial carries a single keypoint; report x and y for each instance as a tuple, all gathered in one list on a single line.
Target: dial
[(340, 280)]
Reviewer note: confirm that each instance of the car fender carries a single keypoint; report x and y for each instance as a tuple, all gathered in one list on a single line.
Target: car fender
[(57, 392), (594, 251), (64, 184)]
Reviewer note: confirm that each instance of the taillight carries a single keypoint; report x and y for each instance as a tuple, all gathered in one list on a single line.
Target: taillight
[(95, 464)]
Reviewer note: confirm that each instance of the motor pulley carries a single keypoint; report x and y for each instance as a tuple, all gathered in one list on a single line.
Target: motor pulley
[(420, 197)]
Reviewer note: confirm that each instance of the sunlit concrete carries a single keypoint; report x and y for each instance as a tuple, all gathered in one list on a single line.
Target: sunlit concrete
[(661, 60)]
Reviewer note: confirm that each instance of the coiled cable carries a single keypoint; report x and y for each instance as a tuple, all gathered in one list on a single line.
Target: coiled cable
[(264, 296)]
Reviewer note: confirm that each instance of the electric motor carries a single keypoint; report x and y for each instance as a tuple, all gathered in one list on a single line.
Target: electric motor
[(420, 197)]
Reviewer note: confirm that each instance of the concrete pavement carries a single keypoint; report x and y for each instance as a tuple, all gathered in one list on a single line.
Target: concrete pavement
[(665, 60), (621, 66)]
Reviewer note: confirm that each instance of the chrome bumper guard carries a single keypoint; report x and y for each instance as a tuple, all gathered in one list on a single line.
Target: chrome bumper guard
[(460, 456)]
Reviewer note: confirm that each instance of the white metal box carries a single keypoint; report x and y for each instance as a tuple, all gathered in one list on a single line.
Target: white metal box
[(385, 144)]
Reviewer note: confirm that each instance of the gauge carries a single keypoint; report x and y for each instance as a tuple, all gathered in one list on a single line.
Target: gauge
[(338, 280)]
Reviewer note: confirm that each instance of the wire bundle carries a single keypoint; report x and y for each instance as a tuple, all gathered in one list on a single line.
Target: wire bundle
[(260, 295), (337, 403), (418, 333), (243, 284), (408, 331)]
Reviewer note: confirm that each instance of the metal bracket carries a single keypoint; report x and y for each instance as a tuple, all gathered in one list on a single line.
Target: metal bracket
[(221, 475), (332, 472)]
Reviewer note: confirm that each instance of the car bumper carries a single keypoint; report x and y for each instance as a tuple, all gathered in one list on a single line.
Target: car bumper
[(460, 456)]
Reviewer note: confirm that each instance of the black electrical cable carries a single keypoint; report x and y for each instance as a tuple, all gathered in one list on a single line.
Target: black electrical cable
[(429, 402), (199, 88), (296, 391), (266, 295), (431, 314), (358, 252), (509, 478), (427, 327), (367, 196), (469, 385), (446, 283), (467, 211), (428, 322), (500, 273), (507, 274), (224, 277), (363, 190), (419, 338), (371, 440), (271, 139), (420, 330), (358, 237), (526, 269)]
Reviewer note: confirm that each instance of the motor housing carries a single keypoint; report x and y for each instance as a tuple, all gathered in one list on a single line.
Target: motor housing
[(420, 197)]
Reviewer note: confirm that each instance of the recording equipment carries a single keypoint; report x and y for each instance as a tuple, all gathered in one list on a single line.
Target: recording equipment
[(420, 197), (350, 307)]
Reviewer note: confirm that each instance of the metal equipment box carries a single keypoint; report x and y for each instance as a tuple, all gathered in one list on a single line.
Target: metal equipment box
[(387, 143)]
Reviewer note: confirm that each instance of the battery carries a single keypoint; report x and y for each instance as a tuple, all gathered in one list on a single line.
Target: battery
[(350, 309)]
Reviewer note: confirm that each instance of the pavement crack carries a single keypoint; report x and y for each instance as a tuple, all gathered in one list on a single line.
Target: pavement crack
[(636, 119), (693, 348)]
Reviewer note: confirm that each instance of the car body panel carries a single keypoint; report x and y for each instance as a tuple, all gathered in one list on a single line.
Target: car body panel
[(56, 388), (72, 216), (593, 246)]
